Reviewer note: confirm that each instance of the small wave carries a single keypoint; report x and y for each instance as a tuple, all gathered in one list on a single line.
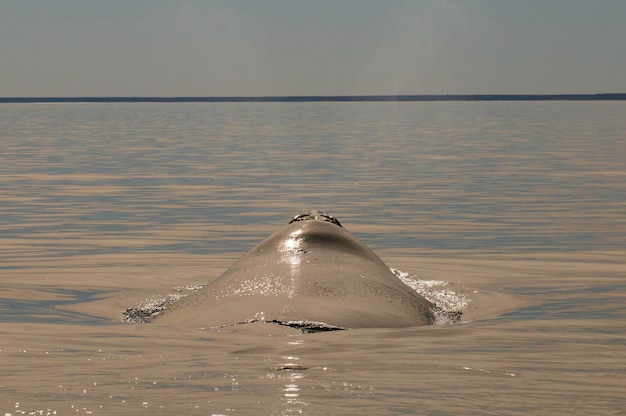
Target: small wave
[(449, 305), (149, 308)]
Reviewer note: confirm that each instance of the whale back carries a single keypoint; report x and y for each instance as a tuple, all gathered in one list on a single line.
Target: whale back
[(311, 273)]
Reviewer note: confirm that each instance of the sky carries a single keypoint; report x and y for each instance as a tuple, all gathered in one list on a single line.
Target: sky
[(69, 48)]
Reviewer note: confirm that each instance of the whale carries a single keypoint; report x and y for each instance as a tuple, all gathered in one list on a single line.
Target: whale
[(312, 275)]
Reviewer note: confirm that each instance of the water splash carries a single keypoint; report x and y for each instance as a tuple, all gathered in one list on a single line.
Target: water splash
[(449, 305)]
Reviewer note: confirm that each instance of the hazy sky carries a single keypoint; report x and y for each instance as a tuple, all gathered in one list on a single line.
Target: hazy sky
[(310, 47)]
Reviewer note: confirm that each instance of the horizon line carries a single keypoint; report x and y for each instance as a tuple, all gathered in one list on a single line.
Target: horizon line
[(313, 98)]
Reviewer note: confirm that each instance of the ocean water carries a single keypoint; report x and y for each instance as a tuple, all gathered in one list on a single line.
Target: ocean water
[(520, 207)]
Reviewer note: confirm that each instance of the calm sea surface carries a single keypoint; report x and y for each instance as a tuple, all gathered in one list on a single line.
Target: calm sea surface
[(521, 206)]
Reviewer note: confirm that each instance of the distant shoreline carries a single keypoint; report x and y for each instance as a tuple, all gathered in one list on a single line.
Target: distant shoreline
[(323, 98)]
